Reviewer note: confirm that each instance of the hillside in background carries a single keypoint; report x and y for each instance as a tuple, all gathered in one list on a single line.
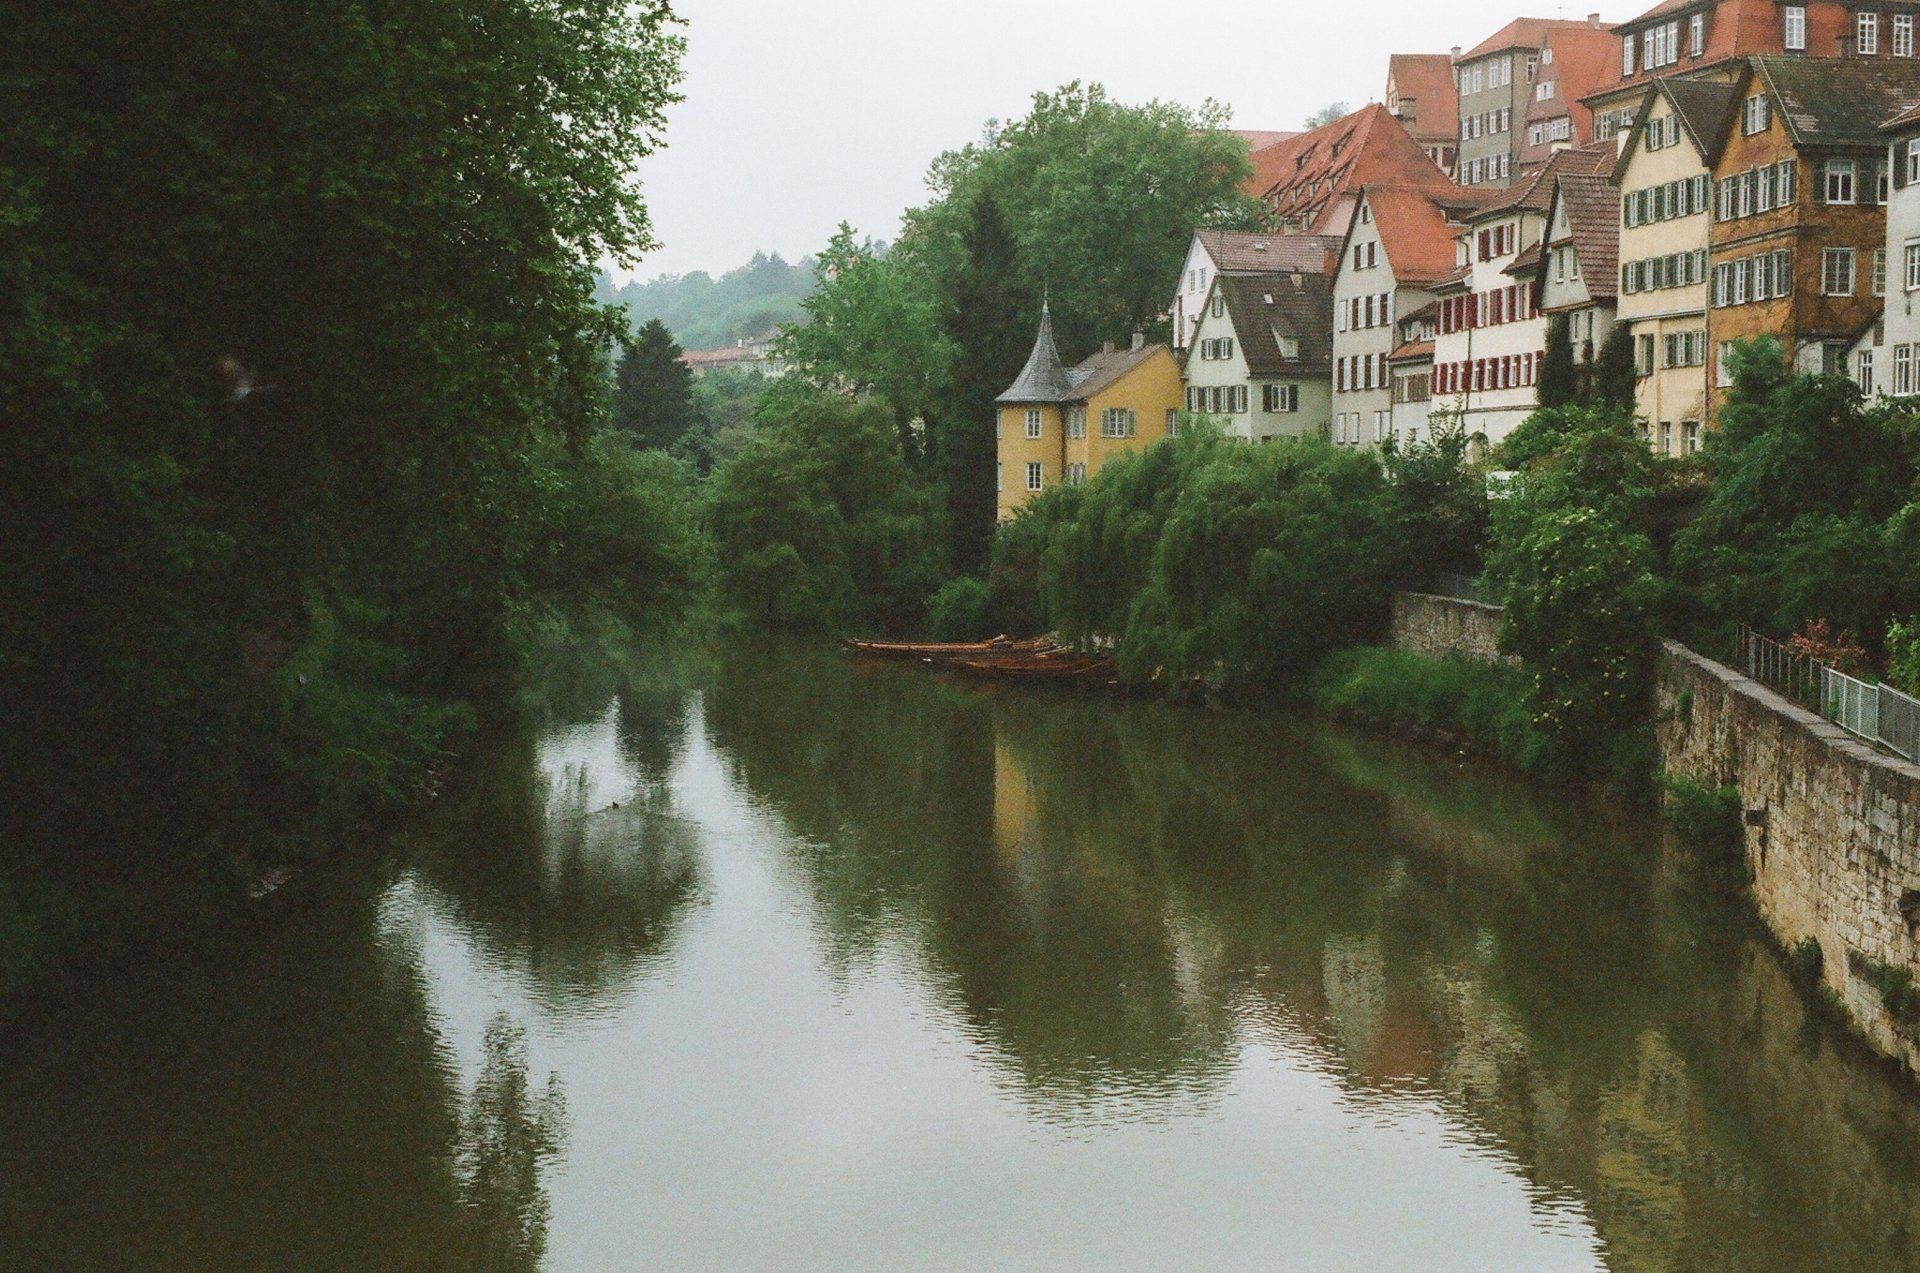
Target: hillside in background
[(703, 312)]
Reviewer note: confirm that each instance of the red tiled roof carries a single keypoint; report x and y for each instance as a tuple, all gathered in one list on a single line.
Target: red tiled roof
[(1736, 28), (1238, 252), (1534, 194), (1412, 351), (1593, 217), (1310, 180), (1416, 233), (1521, 33), (1260, 138), (1425, 80), (1584, 59)]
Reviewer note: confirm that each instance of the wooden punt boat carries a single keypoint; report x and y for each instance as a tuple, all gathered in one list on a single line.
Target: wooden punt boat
[(1072, 668), (949, 651)]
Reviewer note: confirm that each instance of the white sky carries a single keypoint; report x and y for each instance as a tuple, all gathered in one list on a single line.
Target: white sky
[(804, 113)]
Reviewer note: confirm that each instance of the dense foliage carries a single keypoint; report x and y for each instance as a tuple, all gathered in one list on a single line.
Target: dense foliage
[(300, 362), (1479, 705), (652, 389), (819, 525)]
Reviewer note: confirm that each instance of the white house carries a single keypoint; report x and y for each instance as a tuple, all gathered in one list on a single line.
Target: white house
[(1399, 245), (1490, 334), (1259, 358), (1216, 252), (1411, 367), (1579, 264), (1884, 360)]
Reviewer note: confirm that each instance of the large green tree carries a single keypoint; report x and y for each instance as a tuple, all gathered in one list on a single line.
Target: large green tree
[(988, 351), (297, 339), (653, 389)]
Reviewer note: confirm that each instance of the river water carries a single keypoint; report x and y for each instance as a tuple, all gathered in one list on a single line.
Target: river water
[(793, 962)]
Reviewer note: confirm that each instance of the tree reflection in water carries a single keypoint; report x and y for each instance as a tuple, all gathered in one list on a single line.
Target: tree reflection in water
[(508, 1135)]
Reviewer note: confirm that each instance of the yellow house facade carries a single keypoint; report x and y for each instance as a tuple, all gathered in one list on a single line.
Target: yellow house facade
[(1058, 424)]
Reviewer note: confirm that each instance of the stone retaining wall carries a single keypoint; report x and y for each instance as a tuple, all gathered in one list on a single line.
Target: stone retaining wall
[(1832, 823), (1833, 834), (1439, 626)]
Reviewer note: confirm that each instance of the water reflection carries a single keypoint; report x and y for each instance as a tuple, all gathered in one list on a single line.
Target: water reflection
[(509, 1133)]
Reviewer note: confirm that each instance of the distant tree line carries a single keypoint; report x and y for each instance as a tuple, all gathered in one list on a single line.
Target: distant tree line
[(704, 312)]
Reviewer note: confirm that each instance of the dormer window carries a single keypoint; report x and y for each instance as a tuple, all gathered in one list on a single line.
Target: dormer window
[(1793, 28), (1755, 114), (1697, 34)]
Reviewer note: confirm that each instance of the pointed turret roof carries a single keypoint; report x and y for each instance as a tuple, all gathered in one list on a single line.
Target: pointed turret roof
[(1043, 379)]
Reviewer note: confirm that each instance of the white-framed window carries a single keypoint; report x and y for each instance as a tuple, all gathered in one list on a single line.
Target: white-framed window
[(1076, 474), (1863, 371), (1903, 35), (1879, 271), (1173, 423), (1912, 257), (1902, 370), (1626, 59), (1278, 398), (1697, 34), (1033, 424), (1666, 437), (1840, 175), (1034, 478), (1836, 271), (1076, 422), (1866, 28), (1690, 434), (1117, 422), (1219, 306), (1793, 28), (1755, 114), (1722, 367), (1643, 354)]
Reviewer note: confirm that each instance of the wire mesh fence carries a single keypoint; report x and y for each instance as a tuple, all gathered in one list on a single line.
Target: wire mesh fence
[(1780, 668), (1876, 712)]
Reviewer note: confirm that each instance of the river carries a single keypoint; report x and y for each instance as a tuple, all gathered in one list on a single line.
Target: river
[(792, 962)]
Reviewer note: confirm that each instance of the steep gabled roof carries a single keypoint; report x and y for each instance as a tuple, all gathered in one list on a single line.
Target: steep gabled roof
[(1426, 81), (1043, 379), (1416, 233), (1521, 33), (1839, 101), (1261, 138), (1593, 214), (1310, 179), (1239, 252), (1536, 192), (1296, 305), (1706, 109), (1584, 59)]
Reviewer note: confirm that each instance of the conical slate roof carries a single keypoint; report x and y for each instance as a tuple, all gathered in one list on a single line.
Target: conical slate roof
[(1043, 379)]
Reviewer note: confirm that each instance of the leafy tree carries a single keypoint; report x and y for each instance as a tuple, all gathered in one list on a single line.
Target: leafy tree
[(1268, 560), (1614, 381), (1559, 384), (989, 348), (818, 522), (1331, 113), (1435, 505), (873, 329), (1804, 517), (653, 389), (298, 340), (959, 612), (1579, 596), (1016, 595), (704, 312)]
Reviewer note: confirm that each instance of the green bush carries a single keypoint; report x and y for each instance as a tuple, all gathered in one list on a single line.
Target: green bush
[(1707, 821), (1898, 993), (1482, 704), (958, 612), (1805, 961)]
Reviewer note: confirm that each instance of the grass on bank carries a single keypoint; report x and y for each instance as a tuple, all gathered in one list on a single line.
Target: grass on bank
[(1480, 705)]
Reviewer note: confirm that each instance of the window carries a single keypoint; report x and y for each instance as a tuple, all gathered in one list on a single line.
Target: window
[(1882, 182), (1033, 475), (1793, 33), (1690, 430), (1840, 180), (1280, 397), (1173, 423), (1033, 425), (1863, 371), (1836, 272), (1545, 89), (1755, 114), (1913, 267), (1879, 271), (1077, 422), (1722, 370), (1903, 35), (1626, 59), (1697, 34), (1666, 437), (1117, 422), (1643, 354), (1902, 369), (1219, 307), (1867, 33), (1076, 474)]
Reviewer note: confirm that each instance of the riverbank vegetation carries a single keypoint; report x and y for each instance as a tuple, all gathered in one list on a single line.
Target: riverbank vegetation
[(305, 388)]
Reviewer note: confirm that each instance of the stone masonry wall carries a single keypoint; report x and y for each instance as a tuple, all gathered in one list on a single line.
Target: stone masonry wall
[(1439, 626), (1833, 834), (1833, 824)]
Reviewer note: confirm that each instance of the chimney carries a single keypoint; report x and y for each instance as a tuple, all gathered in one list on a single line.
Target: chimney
[(1593, 19), (1456, 53), (1139, 340)]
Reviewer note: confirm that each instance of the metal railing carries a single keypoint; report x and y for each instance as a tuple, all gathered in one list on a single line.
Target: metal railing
[(1778, 667), (1878, 713)]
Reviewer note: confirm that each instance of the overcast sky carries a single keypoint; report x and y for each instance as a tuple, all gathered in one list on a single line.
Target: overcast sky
[(804, 113)]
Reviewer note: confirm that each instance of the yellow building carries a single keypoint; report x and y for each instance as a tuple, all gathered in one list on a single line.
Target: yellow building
[(1061, 424)]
